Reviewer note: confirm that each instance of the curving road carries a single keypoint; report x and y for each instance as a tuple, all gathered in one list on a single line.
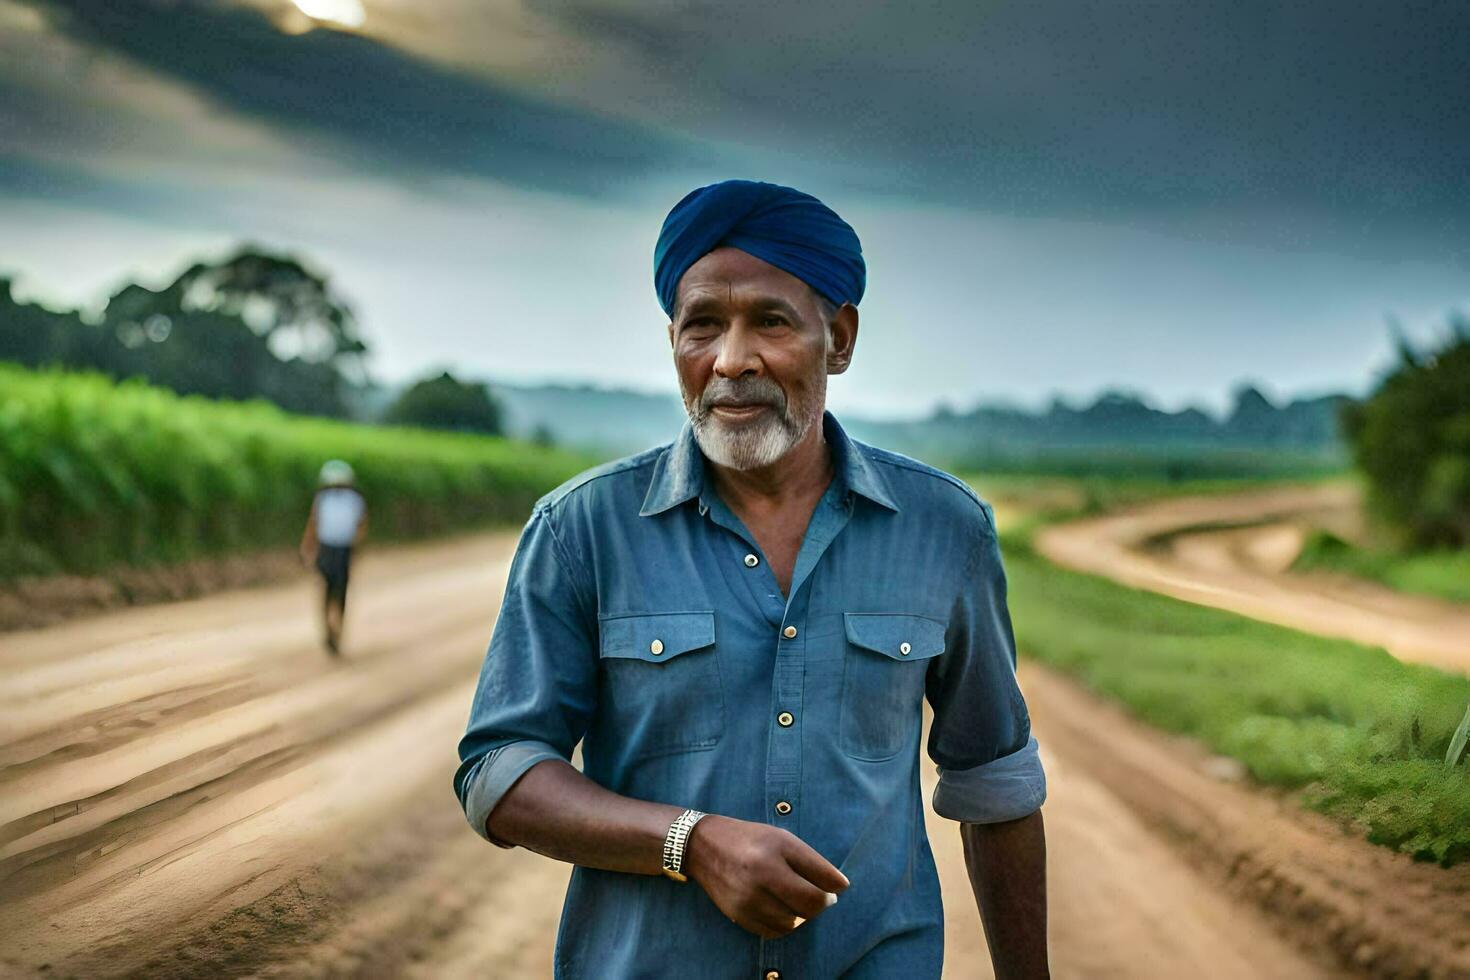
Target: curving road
[(1231, 551), (195, 790)]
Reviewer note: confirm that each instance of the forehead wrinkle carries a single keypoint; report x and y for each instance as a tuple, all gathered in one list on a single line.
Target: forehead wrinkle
[(747, 297)]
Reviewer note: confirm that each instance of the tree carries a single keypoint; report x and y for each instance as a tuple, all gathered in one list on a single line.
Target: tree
[(255, 325), (293, 308), (444, 402), (1411, 439)]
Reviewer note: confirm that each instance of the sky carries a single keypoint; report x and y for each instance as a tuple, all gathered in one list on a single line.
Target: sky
[(1055, 197)]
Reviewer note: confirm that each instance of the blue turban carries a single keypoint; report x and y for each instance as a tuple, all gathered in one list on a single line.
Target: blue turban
[(781, 225)]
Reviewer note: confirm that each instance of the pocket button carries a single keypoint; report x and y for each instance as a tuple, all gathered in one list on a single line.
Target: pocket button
[(656, 647)]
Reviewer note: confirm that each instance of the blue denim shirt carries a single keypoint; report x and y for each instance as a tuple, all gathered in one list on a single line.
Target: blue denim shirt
[(642, 620)]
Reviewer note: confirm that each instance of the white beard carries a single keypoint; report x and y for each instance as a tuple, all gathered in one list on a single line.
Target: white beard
[(758, 443)]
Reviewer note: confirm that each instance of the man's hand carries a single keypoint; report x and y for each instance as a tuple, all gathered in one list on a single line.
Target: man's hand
[(766, 880)]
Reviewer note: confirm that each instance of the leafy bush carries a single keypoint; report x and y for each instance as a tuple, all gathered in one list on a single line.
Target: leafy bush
[(1412, 441), (94, 473), (445, 402)]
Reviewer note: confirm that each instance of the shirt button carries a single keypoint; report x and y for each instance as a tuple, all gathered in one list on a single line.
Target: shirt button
[(773, 975), (904, 649), (785, 718), (782, 807), (656, 647), (751, 561), (789, 632)]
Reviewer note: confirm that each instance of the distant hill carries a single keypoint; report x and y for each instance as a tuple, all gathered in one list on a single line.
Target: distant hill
[(615, 421), (1118, 422), (607, 420)]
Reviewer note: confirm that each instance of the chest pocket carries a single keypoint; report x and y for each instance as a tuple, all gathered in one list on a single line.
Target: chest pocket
[(883, 681), (661, 690)]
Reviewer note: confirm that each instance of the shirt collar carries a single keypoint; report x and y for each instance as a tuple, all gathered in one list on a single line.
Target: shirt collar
[(678, 475)]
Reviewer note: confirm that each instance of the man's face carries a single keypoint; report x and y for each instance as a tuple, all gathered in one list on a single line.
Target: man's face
[(753, 346)]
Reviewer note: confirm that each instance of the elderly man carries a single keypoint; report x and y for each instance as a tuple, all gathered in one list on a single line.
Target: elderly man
[(740, 628)]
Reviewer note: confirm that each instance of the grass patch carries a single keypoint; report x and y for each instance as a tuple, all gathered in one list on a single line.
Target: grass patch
[(1361, 735), (1444, 573)]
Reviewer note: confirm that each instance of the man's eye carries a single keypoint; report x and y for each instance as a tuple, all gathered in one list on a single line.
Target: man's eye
[(772, 320)]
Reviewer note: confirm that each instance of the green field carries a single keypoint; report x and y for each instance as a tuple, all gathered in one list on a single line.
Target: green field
[(95, 473), (1358, 734), (1443, 573)]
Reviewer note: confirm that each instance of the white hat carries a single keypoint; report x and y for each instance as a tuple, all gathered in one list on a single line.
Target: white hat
[(335, 472)]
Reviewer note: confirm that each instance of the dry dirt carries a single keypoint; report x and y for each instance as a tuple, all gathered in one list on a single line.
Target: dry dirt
[(195, 790), (1243, 568)]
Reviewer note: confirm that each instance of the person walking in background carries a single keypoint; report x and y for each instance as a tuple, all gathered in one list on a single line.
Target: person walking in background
[(338, 521)]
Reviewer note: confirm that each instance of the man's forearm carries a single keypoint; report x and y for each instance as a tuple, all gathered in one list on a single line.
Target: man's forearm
[(555, 810), (1007, 866)]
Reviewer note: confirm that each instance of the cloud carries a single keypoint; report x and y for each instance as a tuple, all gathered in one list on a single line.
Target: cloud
[(1317, 121), (1355, 112), (373, 107)]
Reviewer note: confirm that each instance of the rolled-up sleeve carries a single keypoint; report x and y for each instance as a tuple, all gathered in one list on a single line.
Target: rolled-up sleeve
[(989, 767), (538, 683)]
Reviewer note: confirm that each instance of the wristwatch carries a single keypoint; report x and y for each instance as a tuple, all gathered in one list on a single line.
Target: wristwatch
[(674, 842)]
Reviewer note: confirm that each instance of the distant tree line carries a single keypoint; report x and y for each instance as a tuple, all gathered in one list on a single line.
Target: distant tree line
[(254, 325), (1411, 439), (1120, 431)]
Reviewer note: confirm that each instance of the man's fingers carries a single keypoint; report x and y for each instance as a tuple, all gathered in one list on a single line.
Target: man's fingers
[(816, 869), (800, 897), (771, 921)]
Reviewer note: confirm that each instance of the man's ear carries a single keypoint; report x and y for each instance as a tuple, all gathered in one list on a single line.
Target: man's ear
[(842, 333), (671, 334)]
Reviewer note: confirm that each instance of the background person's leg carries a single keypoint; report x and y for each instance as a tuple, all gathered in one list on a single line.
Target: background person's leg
[(333, 563)]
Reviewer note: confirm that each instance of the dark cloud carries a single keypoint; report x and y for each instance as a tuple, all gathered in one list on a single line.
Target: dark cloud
[(376, 107), (1334, 122), (1353, 110)]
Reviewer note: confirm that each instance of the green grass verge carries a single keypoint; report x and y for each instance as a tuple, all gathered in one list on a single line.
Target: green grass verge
[(1361, 735), (95, 474), (1445, 574)]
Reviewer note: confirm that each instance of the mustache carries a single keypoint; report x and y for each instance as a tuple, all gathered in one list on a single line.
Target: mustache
[(741, 391)]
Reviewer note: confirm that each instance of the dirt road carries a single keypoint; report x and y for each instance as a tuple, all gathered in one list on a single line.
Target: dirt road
[(1244, 569), (195, 790)]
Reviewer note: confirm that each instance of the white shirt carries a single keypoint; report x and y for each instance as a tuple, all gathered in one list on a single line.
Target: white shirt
[(338, 511)]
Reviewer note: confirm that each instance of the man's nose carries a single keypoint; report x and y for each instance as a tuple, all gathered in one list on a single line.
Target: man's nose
[(738, 355)]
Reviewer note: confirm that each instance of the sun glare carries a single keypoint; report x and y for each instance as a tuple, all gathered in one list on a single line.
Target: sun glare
[(348, 13)]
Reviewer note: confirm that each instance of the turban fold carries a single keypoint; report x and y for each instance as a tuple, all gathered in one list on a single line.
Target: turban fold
[(781, 225)]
